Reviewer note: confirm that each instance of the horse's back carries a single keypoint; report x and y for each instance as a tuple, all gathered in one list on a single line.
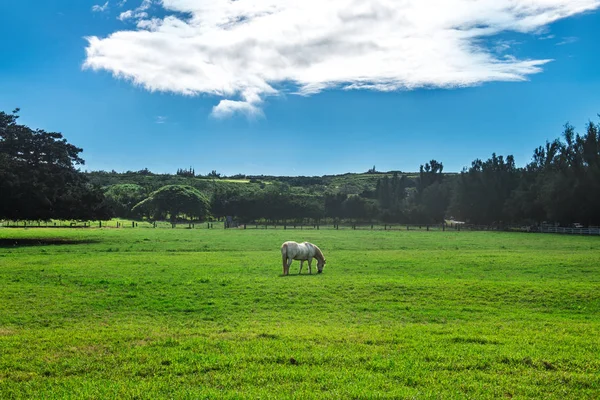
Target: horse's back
[(289, 246), (297, 251)]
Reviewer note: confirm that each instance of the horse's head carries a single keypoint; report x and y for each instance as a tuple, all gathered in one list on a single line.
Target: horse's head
[(320, 265)]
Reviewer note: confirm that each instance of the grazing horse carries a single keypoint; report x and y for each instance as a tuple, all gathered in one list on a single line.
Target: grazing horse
[(301, 251)]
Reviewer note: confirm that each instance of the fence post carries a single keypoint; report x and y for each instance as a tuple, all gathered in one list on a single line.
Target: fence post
[(427, 227), (407, 227)]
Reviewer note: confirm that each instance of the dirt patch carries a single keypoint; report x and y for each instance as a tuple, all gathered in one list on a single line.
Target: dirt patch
[(6, 332), (22, 242), (473, 340)]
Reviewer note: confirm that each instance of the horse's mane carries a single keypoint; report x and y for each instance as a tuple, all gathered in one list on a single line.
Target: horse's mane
[(318, 252)]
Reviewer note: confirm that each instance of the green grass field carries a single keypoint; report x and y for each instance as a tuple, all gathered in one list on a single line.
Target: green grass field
[(161, 313)]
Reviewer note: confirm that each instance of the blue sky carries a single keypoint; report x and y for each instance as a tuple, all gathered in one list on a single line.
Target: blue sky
[(300, 117)]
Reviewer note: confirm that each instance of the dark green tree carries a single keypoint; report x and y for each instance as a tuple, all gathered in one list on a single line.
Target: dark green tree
[(333, 205), (429, 174), (481, 193), (174, 201), (123, 197), (359, 209), (39, 179)]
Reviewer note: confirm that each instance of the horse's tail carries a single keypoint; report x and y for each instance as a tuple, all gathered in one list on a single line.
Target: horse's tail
[(284, 254)]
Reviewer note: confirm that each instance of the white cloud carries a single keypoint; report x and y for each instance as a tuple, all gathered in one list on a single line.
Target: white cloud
[(125, 15), (160, 119), (227, 108), (100, 8), (244, 50), (567, 40)]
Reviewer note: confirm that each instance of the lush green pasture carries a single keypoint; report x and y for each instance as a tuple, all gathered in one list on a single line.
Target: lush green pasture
[(161, 313)]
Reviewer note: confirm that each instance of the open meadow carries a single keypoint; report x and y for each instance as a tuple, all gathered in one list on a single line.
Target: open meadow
[(159, 313)]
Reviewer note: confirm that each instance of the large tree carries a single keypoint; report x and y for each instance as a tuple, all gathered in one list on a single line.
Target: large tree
[(38, 176), (174, 201), (123, 197), (482, 192)]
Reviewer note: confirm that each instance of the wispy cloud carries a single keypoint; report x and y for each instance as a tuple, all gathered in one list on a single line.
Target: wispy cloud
[(567, 40), (138, 14), (502, 46), (100, 8), (245, 50), (160, 119)]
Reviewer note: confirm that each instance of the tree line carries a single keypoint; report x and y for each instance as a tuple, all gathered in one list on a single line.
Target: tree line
[(561, 184), (39, 180)]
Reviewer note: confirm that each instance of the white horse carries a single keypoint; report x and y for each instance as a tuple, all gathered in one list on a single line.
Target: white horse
[(291, 251)]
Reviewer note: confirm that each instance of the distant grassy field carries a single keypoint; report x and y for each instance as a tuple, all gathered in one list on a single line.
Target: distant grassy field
[(236, 180), (161, 313)]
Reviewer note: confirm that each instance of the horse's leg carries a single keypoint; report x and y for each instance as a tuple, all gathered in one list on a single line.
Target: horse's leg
[(310, 265), (288, 262), (301, 264)]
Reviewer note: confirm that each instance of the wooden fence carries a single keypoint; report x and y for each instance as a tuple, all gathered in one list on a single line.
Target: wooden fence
[(362, 227), (124, 224), (535, 229), (570, 231), (121, 224)]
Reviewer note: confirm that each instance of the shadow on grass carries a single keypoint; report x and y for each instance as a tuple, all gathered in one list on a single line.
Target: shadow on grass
[(22, 242)]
